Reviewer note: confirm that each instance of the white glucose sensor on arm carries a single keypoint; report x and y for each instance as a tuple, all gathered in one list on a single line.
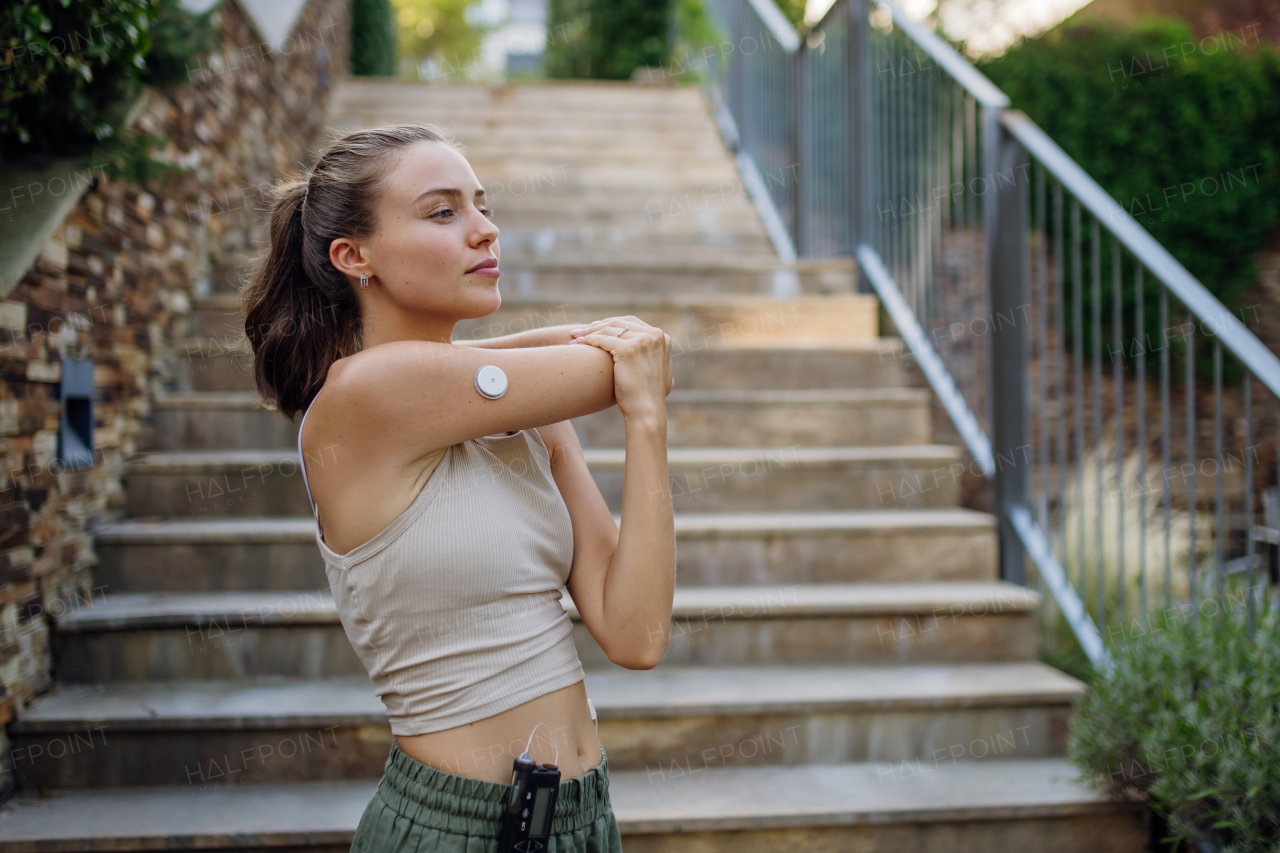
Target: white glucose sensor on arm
[(491, 382)]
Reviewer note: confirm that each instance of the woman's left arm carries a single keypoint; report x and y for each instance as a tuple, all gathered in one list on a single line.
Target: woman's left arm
[(595, 542), (595, 533)]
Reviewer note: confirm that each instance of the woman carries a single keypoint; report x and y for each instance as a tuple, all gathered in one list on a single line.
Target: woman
[(448, 519)]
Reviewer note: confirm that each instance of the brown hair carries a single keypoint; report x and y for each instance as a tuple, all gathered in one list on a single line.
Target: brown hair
[(300, 313)]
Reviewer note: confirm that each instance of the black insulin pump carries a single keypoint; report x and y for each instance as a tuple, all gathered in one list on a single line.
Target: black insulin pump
[(526, 821)]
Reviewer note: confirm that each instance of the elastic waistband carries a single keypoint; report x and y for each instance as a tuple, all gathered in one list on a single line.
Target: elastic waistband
[(459, 804)]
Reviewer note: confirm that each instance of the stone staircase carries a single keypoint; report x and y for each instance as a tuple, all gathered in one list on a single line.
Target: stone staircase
[(845, 670)]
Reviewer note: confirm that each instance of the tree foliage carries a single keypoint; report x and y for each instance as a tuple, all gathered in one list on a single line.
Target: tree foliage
[(70, 68), (1184, 133), (606, 39), (436, 30)]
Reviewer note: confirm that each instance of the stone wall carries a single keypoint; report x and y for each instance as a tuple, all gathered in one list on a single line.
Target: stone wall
[(115, 284)]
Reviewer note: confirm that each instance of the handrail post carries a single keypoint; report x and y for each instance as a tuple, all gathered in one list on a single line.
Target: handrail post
[(859, 129), (795, 115), (1008, 261), (735, 69)]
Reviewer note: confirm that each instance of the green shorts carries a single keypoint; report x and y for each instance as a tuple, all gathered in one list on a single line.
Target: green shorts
[(418, 808)]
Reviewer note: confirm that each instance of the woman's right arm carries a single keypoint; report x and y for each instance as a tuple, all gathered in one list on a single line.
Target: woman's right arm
[(421, 395), (624, 595)]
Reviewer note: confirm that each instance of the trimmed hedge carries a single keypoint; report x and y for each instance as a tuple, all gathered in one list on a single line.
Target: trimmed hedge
[(1184, 133)]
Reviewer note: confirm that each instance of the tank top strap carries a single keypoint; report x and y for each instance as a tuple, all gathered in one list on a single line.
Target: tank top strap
[(302, 461)]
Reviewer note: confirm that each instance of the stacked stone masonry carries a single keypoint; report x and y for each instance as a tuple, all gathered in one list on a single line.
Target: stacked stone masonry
[(115, 284)]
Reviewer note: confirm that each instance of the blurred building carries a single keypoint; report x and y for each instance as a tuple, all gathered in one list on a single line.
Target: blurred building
[(516, 45)]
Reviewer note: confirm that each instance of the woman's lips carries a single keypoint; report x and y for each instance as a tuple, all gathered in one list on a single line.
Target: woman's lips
[(487, 267)]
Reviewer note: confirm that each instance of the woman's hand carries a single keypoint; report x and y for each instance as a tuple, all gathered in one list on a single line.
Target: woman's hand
[(642, 374)]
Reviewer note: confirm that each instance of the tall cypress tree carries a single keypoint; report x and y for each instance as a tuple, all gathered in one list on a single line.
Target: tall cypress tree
[(373, 38)]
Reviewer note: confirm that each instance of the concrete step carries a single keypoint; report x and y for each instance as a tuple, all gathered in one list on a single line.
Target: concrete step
[(863, 623), (476, 116), (571, 278), (175, 732), (481, 137), (710, 209), (568, 173), (485, 140), (529, 202), (895, 546), (579, 96), (659, 285), (608, 109), (577, 162), (804, 417), (185, 636), (819, 417), (214, 364), (695, 322), (466, 122), (200, 483), (994, 806), (798, 364), (670, 233)]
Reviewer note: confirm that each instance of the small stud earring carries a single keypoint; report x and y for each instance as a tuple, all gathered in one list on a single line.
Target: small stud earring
[(364, 281)]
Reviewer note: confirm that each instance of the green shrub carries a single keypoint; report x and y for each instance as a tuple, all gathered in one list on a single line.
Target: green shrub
[(373, 38), (72, 67), (1100, 91), (696, 48), (606, 39), (1189, 715)]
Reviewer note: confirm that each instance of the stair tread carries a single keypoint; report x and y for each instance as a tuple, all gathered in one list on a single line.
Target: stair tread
[(678, 691), (675, 691), (303, 528), (176, 817), (722, 798), (197, 461), (143, 610)]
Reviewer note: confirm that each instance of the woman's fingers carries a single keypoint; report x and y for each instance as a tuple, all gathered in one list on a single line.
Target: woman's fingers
[(628, 321), (606, 341), (603, 331)]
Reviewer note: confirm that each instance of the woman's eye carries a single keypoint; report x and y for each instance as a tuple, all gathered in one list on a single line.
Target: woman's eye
[(442, 214), (487, 212)]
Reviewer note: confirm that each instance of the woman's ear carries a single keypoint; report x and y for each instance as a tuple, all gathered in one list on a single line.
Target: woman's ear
[(349, 258)]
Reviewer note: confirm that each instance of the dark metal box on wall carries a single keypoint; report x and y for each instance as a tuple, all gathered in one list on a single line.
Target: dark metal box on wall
[(75, 430)]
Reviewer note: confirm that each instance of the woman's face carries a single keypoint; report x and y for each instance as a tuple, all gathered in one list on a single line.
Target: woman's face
[(435, 249)]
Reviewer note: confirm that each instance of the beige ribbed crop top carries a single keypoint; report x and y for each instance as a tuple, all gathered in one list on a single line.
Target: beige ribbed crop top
[(454, 607)]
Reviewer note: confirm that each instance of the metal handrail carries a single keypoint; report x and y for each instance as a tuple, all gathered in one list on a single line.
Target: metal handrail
[(927, 357), (918, 147), (1234, 335), (956, 66), (751, 146), (778, 24)]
